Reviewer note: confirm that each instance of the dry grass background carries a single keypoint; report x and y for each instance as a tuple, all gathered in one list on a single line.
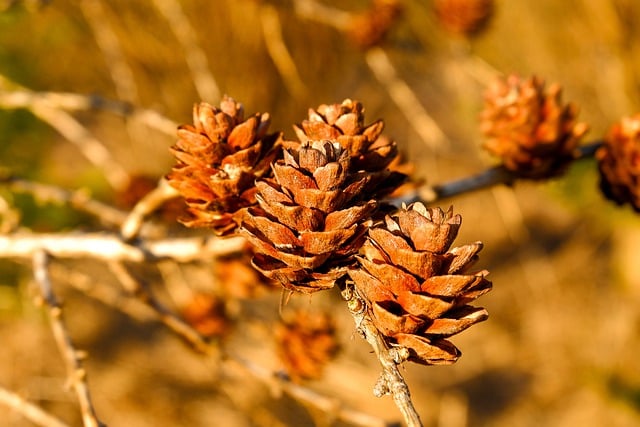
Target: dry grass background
[(560, 347)]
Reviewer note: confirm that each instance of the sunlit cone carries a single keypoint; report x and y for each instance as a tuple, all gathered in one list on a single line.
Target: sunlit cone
[(371, 27), (619, 162), (206, 313), (237, 279), (369, 149), (529, 128), (416, 286), (218, 159), (463, 17), (306, 342), (311, 217)]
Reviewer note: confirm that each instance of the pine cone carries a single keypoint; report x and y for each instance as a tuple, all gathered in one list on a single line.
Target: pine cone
[(218, 160), (207, 314), (305, 343), (529, 129), (311, 217), (464, 17), (344, 123), (416, 288), (371, 27), (619, 162)]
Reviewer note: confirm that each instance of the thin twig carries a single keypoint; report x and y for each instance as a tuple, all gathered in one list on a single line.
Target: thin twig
[(14, 97), (391, 380), (305, 395), (78, 199), (406, 99), (121, 73), (92, 148), (167, 317), (196, 58), (107, 246), (146, 206), (75, 371), (272, 33), (488, 178), (315, 11), (32, 412)]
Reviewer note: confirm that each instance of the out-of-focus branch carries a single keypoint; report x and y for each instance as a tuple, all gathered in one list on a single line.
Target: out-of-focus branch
[(406, 99), (493, 176), (75, 371), (272, 33), (203, 79), (391, 380), (306, 395), (105, 246), (121, 73), (315, 11), (32, 412), (147, 205), (12, 97), (168, 317), (78, 199), (93, 149)]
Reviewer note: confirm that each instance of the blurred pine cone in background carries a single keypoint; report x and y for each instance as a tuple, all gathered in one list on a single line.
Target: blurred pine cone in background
[(417, 288), (370, 28), (619, 162), (463, 17), (534, 134), (306, 342), (311, 216), (219, 158)]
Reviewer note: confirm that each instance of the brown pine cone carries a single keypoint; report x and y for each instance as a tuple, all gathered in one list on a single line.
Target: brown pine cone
[(306, 342), (371, 27), (311, 217), (534, 134), (619, 162), (464, 17), (344, 123), (218, 160), (416, 287)]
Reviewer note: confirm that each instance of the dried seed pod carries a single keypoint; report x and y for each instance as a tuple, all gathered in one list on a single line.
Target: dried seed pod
[(416, 286), (207, 314), (370, 28), (463, 17), (219, 158), (619, 162), (306, 342), (534, 134), (311, 217)]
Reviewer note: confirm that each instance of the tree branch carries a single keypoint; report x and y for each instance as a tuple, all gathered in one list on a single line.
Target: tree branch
[(33, 413), (75, 371)]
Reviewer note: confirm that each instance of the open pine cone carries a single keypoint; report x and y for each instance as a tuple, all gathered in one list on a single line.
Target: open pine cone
[(619, 162), (463, 17), (311, 216), (534, 134), (306, 342), (219, 158), (416, 286)]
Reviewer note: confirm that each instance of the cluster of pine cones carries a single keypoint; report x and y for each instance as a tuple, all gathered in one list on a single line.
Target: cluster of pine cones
[(314, 212)]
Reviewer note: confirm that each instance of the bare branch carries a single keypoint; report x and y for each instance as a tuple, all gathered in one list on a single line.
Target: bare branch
[(78, 199), (146, 206), (33, 413), (22, 98), (75, 371), (406, 100), (106, 246), (168, 317), (196, 58), (315, 11), (121, 73), (307, 396), (272, 33), (391, 380)]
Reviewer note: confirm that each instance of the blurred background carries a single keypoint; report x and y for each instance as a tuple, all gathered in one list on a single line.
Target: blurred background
[(560, 347)]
